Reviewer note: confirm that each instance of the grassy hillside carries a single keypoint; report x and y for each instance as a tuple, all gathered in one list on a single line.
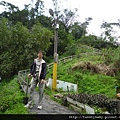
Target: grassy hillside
[(11, 98), (91, 74)]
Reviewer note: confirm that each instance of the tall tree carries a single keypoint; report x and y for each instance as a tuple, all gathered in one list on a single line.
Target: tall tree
[(67, 18), (19, 46), (64, 16), (108, 33), (27, 16)]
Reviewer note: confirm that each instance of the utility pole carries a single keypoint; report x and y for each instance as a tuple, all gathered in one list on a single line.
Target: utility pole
[(56, 27)]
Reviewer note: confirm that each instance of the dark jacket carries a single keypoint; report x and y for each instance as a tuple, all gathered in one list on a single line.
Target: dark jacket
[(43, 70)]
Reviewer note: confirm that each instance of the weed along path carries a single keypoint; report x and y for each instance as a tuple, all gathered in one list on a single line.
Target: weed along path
[(50, 107)]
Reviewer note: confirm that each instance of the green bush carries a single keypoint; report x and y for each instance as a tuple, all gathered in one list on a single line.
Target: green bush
[(11, 101)]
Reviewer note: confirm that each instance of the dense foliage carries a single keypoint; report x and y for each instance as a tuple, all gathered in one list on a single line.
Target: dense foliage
[(19, 46), (24, 32), (11, 98)]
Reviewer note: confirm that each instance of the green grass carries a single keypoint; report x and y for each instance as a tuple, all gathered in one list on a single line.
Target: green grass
[(97, 84), (87, 81), (11, 98)]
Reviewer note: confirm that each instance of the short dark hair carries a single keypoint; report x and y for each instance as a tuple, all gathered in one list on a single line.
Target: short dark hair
[(40, 51)]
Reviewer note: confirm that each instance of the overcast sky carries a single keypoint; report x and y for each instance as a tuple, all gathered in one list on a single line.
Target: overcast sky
[(99, 10)]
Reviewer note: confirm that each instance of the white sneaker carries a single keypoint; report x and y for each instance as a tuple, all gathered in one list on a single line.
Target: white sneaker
[(39, 107), (28, 106)]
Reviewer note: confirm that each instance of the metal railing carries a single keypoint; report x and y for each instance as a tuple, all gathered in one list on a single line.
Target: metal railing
[(22, 74)]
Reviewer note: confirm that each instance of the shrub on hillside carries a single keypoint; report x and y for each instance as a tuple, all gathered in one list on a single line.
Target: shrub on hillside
[(11, 98)]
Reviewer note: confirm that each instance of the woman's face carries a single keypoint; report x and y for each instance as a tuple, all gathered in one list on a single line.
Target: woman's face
[(40, 55)]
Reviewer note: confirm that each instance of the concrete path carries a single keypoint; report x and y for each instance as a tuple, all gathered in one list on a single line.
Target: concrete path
[(50, 107)]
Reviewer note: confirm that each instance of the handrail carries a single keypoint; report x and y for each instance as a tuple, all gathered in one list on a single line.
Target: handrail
[(22, 74)]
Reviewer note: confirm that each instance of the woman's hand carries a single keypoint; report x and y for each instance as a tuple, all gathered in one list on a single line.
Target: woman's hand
[(42, 81), (29, 75)]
